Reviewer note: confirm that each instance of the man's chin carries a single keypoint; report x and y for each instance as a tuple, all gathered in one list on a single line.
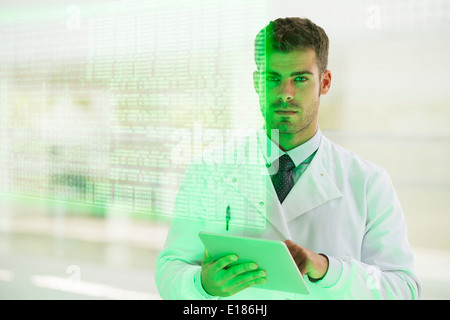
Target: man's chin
[(285, 128)]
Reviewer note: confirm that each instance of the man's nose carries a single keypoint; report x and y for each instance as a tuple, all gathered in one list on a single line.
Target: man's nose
[(287, 91)]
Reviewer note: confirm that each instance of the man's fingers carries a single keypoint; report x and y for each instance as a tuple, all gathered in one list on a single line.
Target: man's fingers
[(223, 262), (298, 253), (248, 276), (290, 244), (223, 281), (206, 258), (238, 269), (302, 269), (249, 283)]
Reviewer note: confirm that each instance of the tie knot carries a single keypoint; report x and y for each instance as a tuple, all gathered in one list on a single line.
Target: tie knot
[(285, 163)]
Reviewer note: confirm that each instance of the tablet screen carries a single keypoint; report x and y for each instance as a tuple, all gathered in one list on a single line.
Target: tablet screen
[(272, 256)]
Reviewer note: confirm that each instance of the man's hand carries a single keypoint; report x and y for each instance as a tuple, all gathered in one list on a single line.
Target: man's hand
[(218, 280), (308, 262)]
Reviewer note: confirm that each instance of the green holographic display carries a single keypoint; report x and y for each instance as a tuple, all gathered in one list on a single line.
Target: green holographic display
[(108, 104)]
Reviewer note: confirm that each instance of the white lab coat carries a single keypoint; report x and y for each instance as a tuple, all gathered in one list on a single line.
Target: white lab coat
[(342, 206)]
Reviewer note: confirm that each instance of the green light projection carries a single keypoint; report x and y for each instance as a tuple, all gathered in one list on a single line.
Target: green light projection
[(97, 100)]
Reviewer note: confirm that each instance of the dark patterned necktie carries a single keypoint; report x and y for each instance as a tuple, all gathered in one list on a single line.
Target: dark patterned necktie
[(283, 180)]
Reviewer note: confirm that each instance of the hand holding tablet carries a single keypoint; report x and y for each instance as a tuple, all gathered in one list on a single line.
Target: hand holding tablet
[(224, 277), (258, 260)]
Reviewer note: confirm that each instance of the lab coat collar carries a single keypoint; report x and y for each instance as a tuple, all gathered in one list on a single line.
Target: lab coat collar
[(253, 183), (272, 152), (314, 188)]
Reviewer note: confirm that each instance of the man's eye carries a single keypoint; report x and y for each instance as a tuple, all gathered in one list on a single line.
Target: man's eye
[(271, 78), (301, 79)]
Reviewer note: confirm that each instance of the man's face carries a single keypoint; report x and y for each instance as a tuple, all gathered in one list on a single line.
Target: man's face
[(289, 89)]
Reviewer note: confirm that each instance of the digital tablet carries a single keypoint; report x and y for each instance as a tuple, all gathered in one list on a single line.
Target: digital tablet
[(282, 273)]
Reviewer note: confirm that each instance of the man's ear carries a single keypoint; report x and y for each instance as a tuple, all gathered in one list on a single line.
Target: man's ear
[(325, 82), (257, 81)]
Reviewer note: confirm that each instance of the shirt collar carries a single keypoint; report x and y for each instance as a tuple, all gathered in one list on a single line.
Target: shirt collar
[(272, 152)]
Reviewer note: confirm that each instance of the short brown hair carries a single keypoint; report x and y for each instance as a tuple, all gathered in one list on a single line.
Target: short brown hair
[(289, 34)]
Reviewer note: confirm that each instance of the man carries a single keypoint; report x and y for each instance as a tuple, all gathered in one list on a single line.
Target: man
[(337, 213)]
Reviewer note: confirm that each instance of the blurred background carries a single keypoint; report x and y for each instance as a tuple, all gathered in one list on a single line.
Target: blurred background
[(95, 96)]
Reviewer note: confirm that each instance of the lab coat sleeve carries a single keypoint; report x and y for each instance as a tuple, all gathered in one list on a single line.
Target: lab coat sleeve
[(386, 267), (178, 265)]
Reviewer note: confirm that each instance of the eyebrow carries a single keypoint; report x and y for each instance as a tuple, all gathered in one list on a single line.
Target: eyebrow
[(293, 74)]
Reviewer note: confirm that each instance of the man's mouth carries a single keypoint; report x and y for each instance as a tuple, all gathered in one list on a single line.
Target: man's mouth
[(285, 112)]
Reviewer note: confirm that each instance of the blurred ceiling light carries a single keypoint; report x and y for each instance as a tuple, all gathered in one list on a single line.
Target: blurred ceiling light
[(6, 275)]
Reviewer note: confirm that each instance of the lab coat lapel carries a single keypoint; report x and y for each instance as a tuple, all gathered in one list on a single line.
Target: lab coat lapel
[(244, 178), (275, 213), (314, 188), (248, 180)]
